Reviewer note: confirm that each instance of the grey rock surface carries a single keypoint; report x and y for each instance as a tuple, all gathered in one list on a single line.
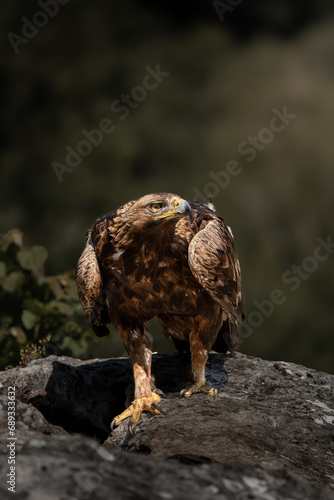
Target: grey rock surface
[(84, 396), (75, 467), (268, 434), (29, 423), (274, 412)]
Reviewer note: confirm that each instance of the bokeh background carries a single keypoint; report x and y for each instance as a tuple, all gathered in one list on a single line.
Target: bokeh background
[(229, 67)]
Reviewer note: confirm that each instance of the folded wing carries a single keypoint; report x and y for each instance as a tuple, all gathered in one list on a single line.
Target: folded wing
[(214, 263), (90, 288)]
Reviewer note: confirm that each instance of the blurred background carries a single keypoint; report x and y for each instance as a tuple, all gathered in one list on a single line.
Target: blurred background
[(222, 70)]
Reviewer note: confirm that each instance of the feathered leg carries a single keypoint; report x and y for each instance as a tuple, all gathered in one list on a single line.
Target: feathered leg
[(199, 350), (138, 344)]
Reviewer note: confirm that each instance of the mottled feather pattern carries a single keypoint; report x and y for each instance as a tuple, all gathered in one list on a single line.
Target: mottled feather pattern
[(212, 259), (90, 284), (160, 256)]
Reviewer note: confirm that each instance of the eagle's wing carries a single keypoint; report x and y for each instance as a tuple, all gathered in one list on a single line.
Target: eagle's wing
[(90, 288), (96, 287), (213, 261)]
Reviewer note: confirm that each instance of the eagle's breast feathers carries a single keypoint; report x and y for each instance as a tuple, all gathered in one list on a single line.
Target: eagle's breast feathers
[(161, 256)]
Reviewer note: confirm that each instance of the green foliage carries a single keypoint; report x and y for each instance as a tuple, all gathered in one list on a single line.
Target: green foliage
[(40, 315), (32, 351)]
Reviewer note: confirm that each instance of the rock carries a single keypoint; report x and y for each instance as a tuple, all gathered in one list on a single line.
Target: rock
[(277, 413), (268, 433), (84, 396), (29, 423), (75, 467), (80, 396)]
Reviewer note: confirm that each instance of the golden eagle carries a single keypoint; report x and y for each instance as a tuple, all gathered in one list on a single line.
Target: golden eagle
[(161, 256)]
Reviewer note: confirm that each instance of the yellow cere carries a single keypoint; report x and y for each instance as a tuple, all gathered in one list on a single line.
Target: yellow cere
[(176, 202)]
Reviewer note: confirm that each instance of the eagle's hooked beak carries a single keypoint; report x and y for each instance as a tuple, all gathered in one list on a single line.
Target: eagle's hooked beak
[(181, 207)]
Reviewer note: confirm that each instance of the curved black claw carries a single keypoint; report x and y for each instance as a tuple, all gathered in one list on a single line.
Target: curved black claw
[(131, 431), (182, 392), (154, 405), (112, 425)]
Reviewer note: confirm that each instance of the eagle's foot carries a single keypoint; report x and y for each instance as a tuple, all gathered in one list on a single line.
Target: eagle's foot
[(136, 409), (198, 387)]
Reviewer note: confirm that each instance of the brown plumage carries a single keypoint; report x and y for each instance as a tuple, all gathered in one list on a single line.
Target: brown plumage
[(160, 256)]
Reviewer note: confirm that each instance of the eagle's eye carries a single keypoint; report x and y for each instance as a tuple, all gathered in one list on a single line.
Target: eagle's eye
[(156, 206)]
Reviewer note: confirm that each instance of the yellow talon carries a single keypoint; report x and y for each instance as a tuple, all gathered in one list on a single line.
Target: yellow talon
[(135, 410), (198, 387)]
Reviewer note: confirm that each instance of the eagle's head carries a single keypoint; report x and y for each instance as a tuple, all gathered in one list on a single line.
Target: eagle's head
[(153, 209)]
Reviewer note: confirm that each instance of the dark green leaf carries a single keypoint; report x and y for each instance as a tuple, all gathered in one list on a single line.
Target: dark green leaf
[(29, 319), (32, 258), (12, 282)]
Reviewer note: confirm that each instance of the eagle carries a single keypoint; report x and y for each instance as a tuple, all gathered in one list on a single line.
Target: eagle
[(162, 256)]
